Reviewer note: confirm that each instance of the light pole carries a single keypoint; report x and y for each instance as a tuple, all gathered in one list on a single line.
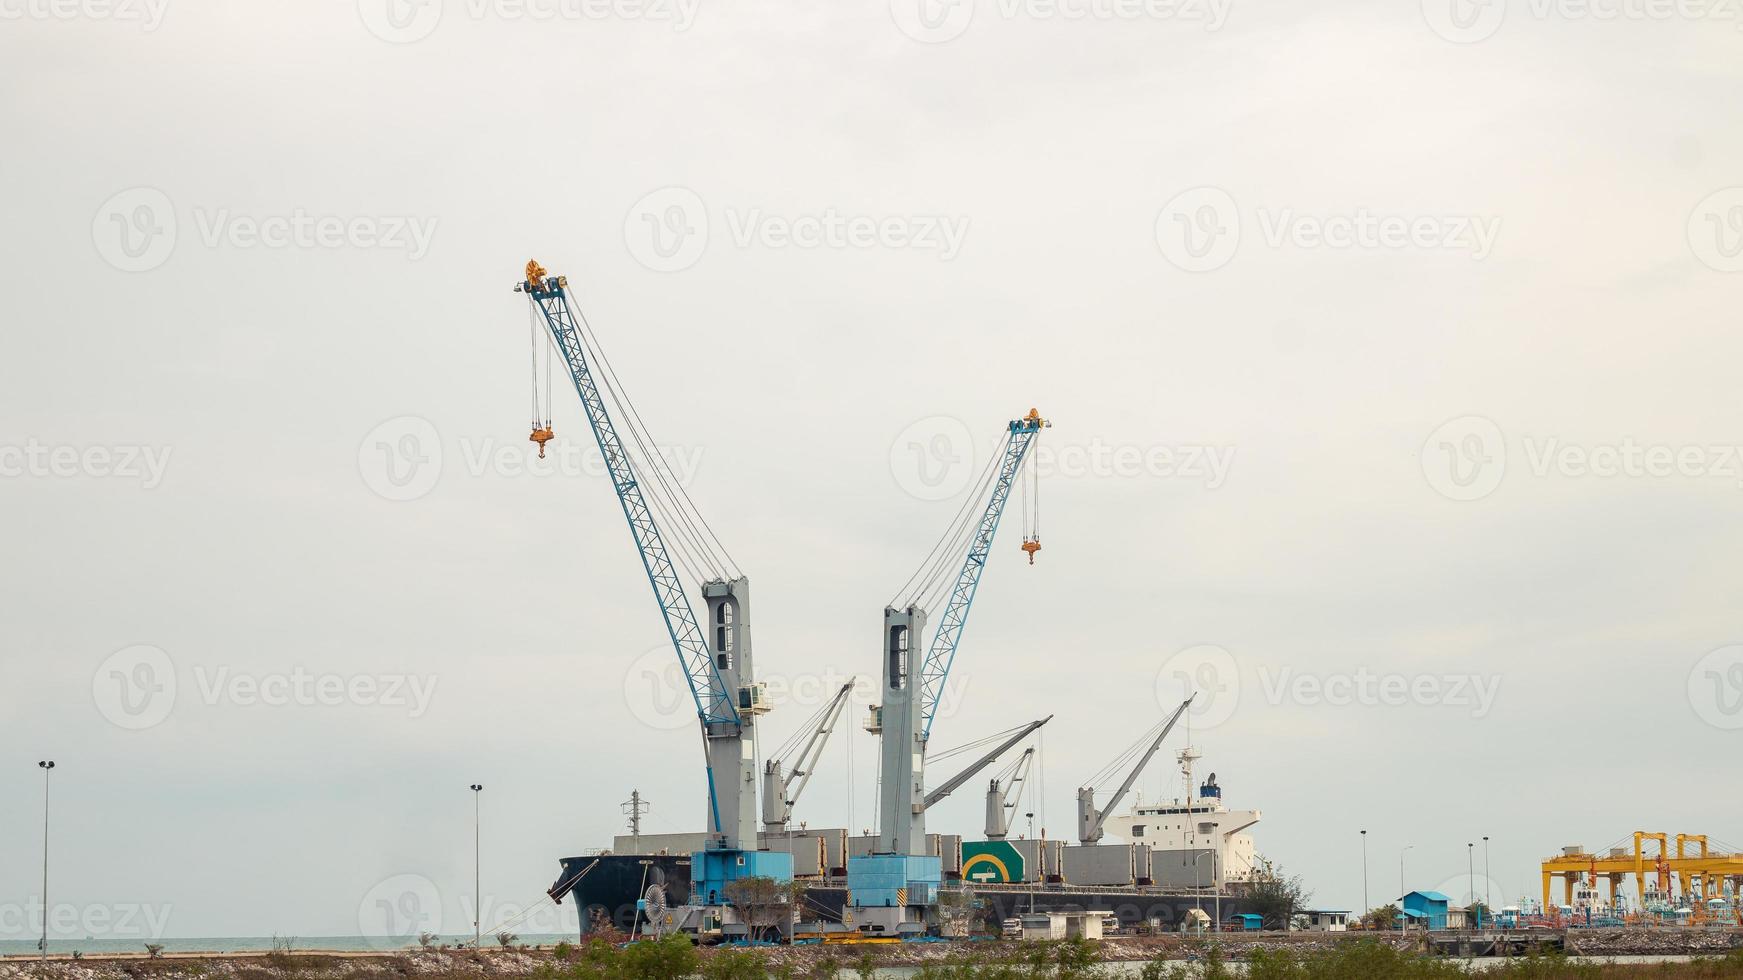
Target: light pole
[(45, 766), (1216, 881), (1401, 891), (1197, 882), (1488, 902), (477, 887), (1365, 905), (1471, 882), (1216, 876)]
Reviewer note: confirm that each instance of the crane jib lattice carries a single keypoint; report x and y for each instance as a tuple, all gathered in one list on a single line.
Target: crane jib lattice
[(942, 653), (714, 704)]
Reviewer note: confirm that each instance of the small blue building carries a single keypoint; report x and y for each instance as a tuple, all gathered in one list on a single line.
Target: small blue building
[(1244, 922), (1425, 908)]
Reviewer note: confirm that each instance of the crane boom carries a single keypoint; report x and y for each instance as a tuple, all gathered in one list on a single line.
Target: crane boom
[(998, 799), (782, 790), (912, 688), (715, 707), (954, 782), (1089, 818), (942, 653)]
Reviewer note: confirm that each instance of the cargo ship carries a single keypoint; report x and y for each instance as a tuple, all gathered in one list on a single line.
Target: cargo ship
[(1176, 856)]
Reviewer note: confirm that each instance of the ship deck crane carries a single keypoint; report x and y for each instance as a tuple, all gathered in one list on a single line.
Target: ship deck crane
[(781, 788), (1004, 793), (1090, 818), (720, 674), (913, 685), (973, 769)]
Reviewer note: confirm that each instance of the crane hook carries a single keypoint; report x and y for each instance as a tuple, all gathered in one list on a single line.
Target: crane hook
[(541, 436), (1032, 545)]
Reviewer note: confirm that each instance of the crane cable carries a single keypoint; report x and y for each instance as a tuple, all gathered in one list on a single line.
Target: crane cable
[(1035, 490), (550, 357), (683, 554), (812, 726), (949, 571), (940, 550), (540, 904), (668, 504), (970, 746), (1132, 751), (681, 496), (533, 346), (719, 561)]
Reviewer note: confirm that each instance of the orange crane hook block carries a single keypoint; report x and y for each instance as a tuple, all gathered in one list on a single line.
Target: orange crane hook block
[(541, 436), (1032, 545)]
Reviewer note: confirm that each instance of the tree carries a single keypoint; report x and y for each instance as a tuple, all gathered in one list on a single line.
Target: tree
[(673, 956), (504, 938), (957, 911), (1076, 958), (1384, 917), (1275, 895), (762, 902)]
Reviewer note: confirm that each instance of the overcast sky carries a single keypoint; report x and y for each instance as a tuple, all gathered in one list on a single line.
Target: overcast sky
[(1391, 350)]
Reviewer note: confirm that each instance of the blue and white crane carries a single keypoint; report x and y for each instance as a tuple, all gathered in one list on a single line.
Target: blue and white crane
[(892, 886), (717, 664)]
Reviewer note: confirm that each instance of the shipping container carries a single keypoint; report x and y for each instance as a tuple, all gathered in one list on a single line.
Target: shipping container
[(807, 847), (1100, 864), (1183, 868)]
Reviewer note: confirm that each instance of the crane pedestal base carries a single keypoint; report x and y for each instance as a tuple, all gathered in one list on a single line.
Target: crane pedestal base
[(711, 871), (891, 894)]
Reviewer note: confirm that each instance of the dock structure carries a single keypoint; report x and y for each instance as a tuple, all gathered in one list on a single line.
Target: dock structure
[(1466, 945), (1704, 872)]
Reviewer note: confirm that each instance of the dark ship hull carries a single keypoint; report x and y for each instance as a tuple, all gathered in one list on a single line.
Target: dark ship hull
[(604, 890)]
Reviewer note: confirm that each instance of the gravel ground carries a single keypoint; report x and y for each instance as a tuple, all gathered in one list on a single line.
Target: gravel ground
[(508, 963)]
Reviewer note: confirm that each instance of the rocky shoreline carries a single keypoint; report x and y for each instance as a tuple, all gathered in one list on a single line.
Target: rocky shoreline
[(525, 962)]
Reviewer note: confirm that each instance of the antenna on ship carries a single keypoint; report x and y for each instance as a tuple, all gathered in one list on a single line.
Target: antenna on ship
[(635, 806)]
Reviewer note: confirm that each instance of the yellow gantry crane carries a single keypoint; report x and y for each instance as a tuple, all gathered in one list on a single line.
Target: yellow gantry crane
[(1707, 868)]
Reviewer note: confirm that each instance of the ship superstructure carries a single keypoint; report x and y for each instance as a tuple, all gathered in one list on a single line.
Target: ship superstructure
[(1189, 828)]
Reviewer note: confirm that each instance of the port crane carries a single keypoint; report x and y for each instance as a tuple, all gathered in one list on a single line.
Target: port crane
[(892, 885), (782, 788), (720, 673), (973, 769), (1089, 817), (1003, 794)]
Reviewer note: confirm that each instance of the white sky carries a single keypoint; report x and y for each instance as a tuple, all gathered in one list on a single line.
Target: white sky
[(1601, 312)]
